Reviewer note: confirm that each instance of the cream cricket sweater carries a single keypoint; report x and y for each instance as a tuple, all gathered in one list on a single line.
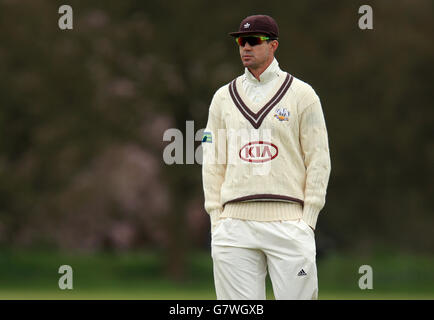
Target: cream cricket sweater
[(265, 150)]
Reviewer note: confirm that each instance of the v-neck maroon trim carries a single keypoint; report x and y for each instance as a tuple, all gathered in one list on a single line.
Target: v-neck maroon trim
[(256, 118)]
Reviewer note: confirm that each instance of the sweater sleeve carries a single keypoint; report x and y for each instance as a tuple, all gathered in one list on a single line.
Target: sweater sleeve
[(315, 148), (214, 160)]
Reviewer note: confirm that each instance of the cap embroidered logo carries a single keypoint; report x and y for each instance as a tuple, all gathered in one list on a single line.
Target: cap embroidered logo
[(246, 25)]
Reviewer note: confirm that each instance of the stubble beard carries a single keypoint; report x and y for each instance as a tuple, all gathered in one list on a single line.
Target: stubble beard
[(254, 64)]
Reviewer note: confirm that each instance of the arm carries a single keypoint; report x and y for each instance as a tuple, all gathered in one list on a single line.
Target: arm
[(315, 148), (214, 162)]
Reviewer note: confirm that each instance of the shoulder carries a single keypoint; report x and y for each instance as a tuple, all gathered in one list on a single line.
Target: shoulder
[(301, 88), (219, 99), (303, 91), (222, 93), (225, 88)]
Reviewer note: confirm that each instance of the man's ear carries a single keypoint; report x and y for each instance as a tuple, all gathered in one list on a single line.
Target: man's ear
[(274, 45)]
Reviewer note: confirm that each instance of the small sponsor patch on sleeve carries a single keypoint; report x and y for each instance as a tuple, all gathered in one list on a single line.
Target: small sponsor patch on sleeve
[(207, 137)]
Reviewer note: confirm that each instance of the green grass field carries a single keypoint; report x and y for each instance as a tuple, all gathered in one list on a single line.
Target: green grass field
[(34, 275)]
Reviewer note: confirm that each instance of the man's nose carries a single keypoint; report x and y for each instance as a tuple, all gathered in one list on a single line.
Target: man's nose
[(247, 46)]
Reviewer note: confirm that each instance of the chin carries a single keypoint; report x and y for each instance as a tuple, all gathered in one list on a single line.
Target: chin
[(247, 63)]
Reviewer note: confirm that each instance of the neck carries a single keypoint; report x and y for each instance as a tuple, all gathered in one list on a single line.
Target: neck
[(256, 72)]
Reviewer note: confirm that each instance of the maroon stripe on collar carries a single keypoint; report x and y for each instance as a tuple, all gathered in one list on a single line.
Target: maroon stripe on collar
[(239, 106), (277, 97), (256, 115), (256, 119), (242, 104), (265, 197), (278, 94)]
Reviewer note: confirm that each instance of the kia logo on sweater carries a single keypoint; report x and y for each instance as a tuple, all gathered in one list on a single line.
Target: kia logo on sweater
[(258, 151)]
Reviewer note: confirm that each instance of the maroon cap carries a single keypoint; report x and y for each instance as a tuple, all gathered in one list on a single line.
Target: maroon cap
[(258, 24)]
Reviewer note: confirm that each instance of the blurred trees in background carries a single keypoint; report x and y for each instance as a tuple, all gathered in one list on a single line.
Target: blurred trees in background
[(83, 112)]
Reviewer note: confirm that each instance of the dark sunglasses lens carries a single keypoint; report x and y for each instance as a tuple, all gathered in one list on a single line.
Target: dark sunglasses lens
[(253, 41)]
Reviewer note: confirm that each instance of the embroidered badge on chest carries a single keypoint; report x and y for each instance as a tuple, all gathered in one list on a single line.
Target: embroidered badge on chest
[(282, 114)]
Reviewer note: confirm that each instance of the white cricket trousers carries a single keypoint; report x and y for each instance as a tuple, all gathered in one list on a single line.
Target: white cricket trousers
[(242, 250)]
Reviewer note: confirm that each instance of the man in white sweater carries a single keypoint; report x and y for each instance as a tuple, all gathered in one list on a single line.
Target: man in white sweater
[(266, 167)]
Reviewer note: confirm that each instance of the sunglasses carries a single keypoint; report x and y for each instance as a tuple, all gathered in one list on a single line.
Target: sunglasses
[(252, 40)]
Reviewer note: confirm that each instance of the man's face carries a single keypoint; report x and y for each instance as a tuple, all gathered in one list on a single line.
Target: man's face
[(254, 57)]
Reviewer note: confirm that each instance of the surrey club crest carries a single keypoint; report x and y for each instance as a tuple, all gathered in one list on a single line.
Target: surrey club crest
[(282, 114)]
